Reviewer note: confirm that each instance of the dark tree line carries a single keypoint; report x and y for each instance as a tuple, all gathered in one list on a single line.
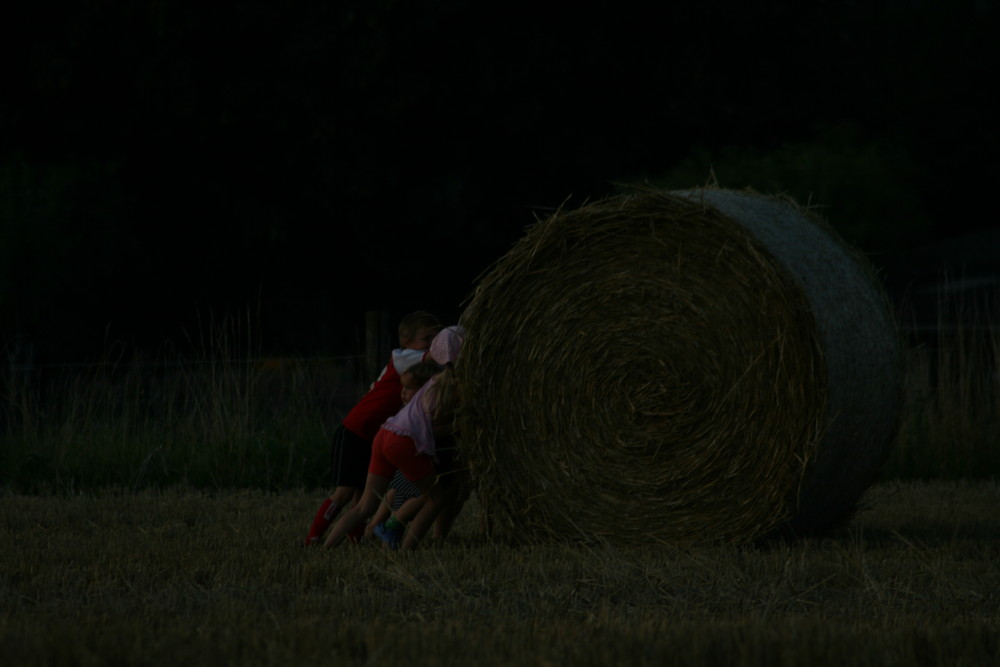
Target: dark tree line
[(314, 161)]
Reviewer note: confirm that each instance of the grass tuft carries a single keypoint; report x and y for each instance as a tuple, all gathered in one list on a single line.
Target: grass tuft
[(217, 419), (950, 426)]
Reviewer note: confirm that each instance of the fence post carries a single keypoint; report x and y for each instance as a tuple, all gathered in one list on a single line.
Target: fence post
[(378, 343)]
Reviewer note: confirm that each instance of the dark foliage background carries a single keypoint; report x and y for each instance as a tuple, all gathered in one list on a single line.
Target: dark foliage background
[(165, 162)]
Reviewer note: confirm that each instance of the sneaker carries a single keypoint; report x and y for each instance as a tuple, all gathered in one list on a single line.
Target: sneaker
[(325, 515), (389, 536)]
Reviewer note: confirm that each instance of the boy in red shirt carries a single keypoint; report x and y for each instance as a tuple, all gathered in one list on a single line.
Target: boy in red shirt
[(352, 441)]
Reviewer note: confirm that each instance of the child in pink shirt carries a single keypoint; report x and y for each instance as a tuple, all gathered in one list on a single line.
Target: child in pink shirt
[(352, 442)]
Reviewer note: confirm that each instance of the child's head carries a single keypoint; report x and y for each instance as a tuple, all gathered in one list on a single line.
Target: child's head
[(445, 350), (414, 377), (417, 330), (447, 345)]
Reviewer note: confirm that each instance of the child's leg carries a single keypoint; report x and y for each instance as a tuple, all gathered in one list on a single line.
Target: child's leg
[(405, 490), (391, 529), (409, 509), (399, 453), (328, 511), (382, 513), (458, 493), (349, 456), (452, 476), (358, 533), (375, 488), (435, 498)]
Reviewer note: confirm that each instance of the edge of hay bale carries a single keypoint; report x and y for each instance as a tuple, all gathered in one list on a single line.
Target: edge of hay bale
[(860, 342)]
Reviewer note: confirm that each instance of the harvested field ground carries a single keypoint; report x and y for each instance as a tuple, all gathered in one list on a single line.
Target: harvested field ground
[(186, 577)]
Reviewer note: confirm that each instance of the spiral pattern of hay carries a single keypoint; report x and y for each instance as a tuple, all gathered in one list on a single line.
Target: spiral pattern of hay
[(659, 366)]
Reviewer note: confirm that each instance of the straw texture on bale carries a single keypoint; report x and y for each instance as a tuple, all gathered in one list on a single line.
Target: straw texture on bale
[(676, 366)]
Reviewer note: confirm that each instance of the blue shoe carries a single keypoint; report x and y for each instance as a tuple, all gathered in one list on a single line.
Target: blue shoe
[(389, 536)]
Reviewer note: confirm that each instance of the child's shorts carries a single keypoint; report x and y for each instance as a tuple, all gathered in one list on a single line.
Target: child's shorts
[(391, 452), (405, 489), (349, 457)]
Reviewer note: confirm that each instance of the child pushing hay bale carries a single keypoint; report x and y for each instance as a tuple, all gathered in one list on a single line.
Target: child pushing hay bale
[(677, 366)]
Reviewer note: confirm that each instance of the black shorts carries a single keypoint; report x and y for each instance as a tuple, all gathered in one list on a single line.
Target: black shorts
[(350, 455)]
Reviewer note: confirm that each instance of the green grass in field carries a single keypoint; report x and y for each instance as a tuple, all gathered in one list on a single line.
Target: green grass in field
[(216, 423), (189, 577), (221, 422), (950, 422)]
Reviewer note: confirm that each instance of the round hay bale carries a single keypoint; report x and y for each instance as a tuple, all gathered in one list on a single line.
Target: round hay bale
[(677, 366)]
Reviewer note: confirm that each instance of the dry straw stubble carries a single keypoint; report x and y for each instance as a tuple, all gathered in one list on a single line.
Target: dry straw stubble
[(644, 368)]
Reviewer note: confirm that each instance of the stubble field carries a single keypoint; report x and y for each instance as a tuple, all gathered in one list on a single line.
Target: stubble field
[(153, 514), (189, 577)]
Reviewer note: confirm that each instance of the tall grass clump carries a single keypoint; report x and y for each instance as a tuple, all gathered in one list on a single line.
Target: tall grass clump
[(217, 417), (950, 425)]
